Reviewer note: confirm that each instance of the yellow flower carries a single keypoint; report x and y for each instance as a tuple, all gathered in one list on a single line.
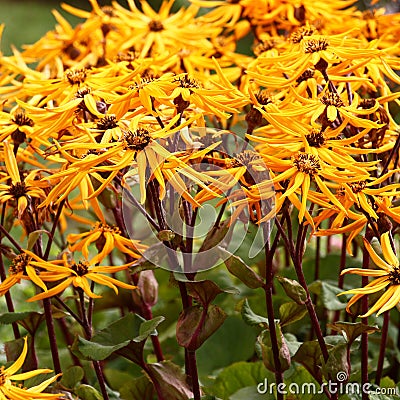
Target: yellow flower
[(387, 276), (20, 269), (151, 33), (19, 190), (77, 274), (9, 390), (16, 125), (106, 238)]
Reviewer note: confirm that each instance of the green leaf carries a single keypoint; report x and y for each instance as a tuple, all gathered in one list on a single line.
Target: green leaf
[(72, 376), (291, 312), (237, 267), (30, 320), (148, 328), (137, 389), (328, 295), (34, 236), (299, 377), (97, 351), (310, 356), (351, 330), (9, 318), (337, 361), (232, 342), (130, 331), (196, 324), (237, 376), (170, 379), (251, 318), (292, 343), (223, 345), (264, 341), (204, 291), (251, 393), (86, 392), (293, 289)]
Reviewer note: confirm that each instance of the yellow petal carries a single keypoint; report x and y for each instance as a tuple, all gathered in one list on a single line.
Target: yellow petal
[(387, 250), (12, 369), (375, 258)]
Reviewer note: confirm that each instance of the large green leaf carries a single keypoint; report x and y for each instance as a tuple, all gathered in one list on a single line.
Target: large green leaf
[(205, 291), (351, 330), (337, 364), (291, 312), (170, 379), (231, 343), (328, 294), (238, 376), (137, 389), (237, 267), (72, 376), (30, 320), (98, 351), (130, 331), (310, 356), (265, 345), (196, 324), (250, 317), (86, 392), (293, 289)]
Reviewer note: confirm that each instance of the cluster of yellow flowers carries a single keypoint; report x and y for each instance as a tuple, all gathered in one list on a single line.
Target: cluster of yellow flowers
[(134, 89)]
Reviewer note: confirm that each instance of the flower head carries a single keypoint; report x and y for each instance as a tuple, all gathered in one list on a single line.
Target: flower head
[(9, 390), (387, 277)]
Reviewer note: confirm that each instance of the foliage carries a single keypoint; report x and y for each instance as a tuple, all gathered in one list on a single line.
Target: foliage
[(189, 197)]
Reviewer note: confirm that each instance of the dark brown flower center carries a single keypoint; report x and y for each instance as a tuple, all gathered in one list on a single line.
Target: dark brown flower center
[(264, 46), (357, 187), (187, 82), (394, 276), (307, 163), (21, 119), (81, 268), (300, 33), (245, 158), (126, 56), (332, 99), (316, 138), (367, 103), (81, 93), (18, 189), (107, 228), (156, 26), (107, 122), (19, 264), (137, 140), (315, 45), (76, 76), (263, 97)]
